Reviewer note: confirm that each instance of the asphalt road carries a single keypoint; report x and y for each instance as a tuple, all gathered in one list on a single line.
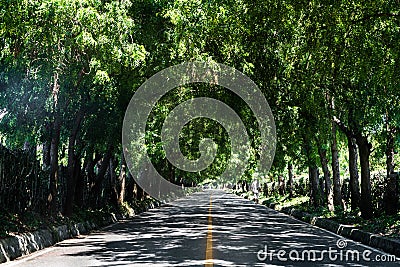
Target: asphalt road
[(210, 228)]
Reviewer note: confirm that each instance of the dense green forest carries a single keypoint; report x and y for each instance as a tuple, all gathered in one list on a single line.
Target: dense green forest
[(330, 71)]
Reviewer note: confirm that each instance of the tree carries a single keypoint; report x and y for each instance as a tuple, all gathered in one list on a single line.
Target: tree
[(76, 50)]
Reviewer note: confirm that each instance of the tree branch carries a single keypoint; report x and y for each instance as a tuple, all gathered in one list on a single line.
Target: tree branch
[(377, 15), (343, 127)]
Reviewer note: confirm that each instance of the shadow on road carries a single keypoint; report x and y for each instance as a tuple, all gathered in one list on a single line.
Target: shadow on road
[(175, 235)]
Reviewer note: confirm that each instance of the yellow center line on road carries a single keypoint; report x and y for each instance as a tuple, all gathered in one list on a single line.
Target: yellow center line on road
[(209, 247)]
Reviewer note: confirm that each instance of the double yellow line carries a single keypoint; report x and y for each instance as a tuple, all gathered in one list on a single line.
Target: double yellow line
[(209, 247)]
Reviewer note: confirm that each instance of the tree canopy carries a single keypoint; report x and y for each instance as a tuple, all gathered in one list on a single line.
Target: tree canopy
[(329, 70)]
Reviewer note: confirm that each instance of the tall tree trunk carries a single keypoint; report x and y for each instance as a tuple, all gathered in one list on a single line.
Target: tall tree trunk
[(391, 198), (91, 176), (80, 185), (53, 179), (337, 194), (130, 187), (314, 186), (47, 147), (353, 169), (46, 154), (364, 148), (313, 175), (281, 185), (139, 192), (113, 183), (72, 161), (98, 180), (290, 179), (327, 178), (171, 170), (265, 189), (122, 180)]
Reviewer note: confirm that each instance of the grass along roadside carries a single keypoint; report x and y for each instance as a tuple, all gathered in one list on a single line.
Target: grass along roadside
[(383, 225)]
